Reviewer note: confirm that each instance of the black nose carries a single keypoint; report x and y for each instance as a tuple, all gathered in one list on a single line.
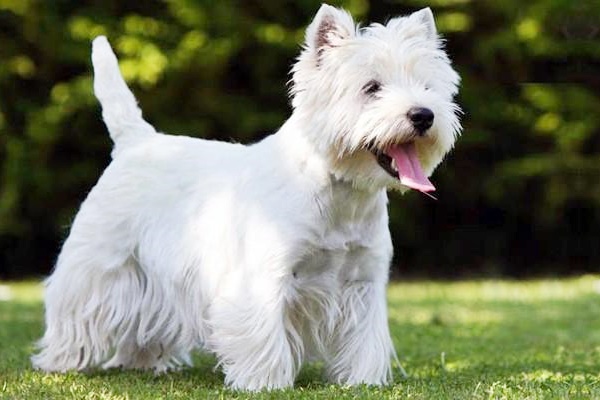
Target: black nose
[(421, 118)]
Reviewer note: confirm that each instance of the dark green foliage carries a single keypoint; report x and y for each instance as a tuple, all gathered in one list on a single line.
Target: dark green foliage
[(519, 195)]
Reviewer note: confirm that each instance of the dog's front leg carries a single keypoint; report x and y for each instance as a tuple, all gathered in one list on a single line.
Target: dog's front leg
[(362, 348), (255, 346)]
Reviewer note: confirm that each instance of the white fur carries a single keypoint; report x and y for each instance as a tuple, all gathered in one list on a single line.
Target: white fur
[(269, 254)]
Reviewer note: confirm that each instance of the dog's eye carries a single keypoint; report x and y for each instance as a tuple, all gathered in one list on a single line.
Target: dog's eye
[(372, 87)]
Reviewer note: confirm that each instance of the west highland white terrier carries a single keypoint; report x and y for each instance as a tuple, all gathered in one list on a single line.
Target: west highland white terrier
[(266, 255)]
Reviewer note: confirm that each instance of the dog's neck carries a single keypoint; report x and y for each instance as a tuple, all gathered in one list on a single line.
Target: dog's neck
[(341, 199), (323, 169)]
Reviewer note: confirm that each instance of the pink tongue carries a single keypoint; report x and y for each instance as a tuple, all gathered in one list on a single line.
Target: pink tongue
[(409, 168)]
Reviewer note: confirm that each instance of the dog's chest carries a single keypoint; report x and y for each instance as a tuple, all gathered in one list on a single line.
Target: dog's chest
[(348, 233), (342, 239), (338, 253)]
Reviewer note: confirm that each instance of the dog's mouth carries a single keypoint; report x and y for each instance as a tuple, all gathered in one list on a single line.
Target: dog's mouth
[(402, 162)]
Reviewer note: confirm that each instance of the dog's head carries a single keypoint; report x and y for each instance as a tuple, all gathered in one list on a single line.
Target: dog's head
[(377, 101)]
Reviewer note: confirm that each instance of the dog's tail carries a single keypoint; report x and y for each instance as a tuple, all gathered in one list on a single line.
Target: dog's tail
[(120, 111)]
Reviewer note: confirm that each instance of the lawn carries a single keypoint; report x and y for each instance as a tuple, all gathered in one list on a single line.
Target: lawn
[(461, 340)]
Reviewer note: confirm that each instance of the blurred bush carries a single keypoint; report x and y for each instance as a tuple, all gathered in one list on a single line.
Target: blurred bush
[(520, 194)]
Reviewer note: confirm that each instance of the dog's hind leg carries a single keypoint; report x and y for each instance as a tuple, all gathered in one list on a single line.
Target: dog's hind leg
[(93, 315), (81, 316), (93, 293)]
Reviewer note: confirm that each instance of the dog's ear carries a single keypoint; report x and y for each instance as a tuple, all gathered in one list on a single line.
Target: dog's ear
[(425, 18), (329, 28)]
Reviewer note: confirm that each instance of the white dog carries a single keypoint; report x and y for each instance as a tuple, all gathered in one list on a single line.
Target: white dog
[(266, 255)]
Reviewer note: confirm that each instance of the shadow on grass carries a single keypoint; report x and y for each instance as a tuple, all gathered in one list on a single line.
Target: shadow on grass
[(194, 382)]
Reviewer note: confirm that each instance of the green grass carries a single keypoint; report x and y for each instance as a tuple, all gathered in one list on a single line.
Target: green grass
[(463, 340)]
